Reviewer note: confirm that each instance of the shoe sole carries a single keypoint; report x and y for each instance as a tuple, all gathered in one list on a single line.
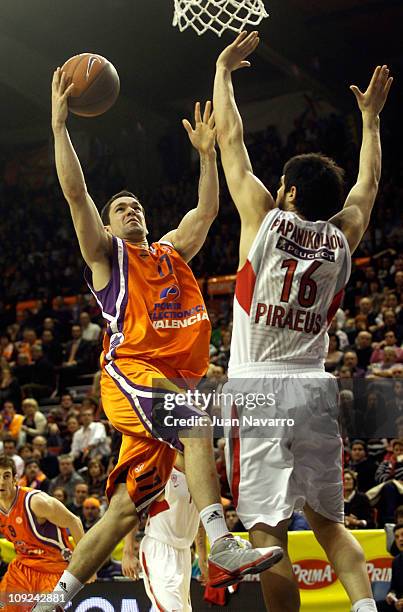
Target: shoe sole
[(257, 567)]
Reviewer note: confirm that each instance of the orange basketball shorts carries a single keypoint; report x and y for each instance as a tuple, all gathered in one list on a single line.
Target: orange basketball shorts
[(24, 579)]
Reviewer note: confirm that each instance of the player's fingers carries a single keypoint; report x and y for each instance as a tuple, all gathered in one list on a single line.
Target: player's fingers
[(248, 40), (244, 64), (207, 111), (198, 118), (211, 121), (357, 92), (241, 36), (375, 76), (187, 126), (56, 76), (68, 91), (384, 75), (388, 86)]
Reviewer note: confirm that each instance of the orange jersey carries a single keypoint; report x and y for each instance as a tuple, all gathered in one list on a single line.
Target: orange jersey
[(44, 547), (154, 310)]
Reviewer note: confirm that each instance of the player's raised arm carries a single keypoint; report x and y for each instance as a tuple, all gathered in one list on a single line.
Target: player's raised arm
[(49, 508), (192, 231), (354, 218), (92, 236), (250, 196)]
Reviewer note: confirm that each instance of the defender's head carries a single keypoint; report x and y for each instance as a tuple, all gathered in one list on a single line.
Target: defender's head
[(123, 216), (312, 185)]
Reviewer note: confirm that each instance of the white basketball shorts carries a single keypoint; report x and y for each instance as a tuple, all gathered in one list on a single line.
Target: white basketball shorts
[(167, 572), (283, 447)]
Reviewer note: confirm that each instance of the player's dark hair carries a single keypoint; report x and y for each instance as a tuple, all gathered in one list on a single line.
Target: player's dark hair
[(105, 211), (319, 182), (7, 463)]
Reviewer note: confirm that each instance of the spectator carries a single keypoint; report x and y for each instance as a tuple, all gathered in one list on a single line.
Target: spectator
[(334, 354), (60, 494), (362, 465), (25, 452), (357, 509), (34, 477), (7, 348), (363, 349), (89, 331), (80, 494), (351, 361), (384, 369), (52, 350), (366, 309), (47, 462), (91, 512), (9, 387), (90, 440), (10, 422), (390, 340), (72, 425), (390, 470), (68, 477), (77, 359), (232, 519), (35, 423), (42, 378), (395, 596), (10, 450), (96, 478)]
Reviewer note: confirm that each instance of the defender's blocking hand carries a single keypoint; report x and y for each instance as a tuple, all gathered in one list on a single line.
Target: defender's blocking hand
[(372, 101), (234, 56), (203, 135)]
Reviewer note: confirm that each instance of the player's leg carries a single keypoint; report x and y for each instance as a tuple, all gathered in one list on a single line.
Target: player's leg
[(162, 574), (278, 584), (229, 561), (346, 556), (17, 579)]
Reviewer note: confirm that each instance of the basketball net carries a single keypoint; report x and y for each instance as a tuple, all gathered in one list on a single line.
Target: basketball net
[(218, 15)]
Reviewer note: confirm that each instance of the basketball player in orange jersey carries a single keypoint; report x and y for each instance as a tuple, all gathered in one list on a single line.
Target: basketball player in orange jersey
[(157, 329), (37, 526), (292, 271)]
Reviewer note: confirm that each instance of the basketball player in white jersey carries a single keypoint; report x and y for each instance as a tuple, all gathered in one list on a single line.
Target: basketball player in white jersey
[(295, 255), (165, 557)]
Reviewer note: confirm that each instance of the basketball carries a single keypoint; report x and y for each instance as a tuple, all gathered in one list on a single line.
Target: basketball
[(96, 84)]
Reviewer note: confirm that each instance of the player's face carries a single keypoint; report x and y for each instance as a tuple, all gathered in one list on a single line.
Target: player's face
[(7, 484), (126, 219)]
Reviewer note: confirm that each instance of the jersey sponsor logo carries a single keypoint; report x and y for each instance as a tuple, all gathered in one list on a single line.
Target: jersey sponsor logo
[(170, 293), (179, 323), (304, 237), (314, 574), (293, 319), (18, 520), (291, 248)]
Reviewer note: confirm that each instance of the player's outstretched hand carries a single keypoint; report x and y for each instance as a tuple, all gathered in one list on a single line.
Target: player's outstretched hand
[(203, 135), (61, 89), (234, 56), (131, 567), (372, 101)]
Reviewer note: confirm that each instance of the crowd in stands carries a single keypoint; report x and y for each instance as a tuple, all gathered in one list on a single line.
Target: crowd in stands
[(51, 421)]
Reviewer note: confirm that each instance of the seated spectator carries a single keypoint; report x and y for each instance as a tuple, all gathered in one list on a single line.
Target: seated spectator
[(90, 440), (366, 309), (72, 425), (68, 477), (232, 519), (378, 354), (390, 470), (80, 494), (60, 494), (363, 349), (10, 450), (7, 348), (48, 463), (42, 376), (9, 387), (395, 596), (89, 331), (388, 322), (357, 509), (35, 423), (77, 359), (10, 422), (25, 452), (334, 354), (29, 339), (34, 477), (362, 465), (384, 369), (342, 336), (22, 369), (91, 512), (350, 360), (52, 349), (96, 478)]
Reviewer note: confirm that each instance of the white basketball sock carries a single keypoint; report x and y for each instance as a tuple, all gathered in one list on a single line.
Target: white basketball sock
[(68, 586), (214, 522), (364, 605)]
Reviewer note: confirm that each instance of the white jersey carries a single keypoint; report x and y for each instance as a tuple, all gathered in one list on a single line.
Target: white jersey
[(288, 292), (175, 519)]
